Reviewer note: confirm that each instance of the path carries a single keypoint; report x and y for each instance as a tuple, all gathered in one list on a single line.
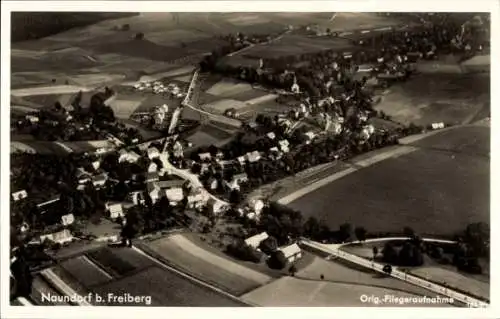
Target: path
[(470, 301)]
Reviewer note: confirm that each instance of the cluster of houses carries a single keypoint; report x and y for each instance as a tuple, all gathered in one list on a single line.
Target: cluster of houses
[(291, 252), (157, 87)]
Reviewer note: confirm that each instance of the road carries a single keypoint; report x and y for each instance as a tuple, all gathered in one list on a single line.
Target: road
[(470, 301)]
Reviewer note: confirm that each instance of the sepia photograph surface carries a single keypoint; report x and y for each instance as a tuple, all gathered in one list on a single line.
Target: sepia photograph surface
[(249, 159)]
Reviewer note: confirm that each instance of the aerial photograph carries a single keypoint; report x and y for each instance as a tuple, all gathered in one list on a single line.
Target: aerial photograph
[(241, 159)]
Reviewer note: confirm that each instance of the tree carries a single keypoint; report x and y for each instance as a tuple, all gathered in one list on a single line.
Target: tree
[(375, 251), (268, 245), (387, 269), (277, 260), (409, 232), (244, 252), (125, 27), (389, 253), (345, 231), (292, 270), (360, 233), (139, 36), (312, 228)]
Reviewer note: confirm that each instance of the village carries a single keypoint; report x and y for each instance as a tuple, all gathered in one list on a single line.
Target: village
[(132, 192)]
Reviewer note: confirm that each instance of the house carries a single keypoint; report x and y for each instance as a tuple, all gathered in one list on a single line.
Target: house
[(115, 210), (171, 183), (292, 252), (60, 237), (271, 135), (205, 156), (284, 146), (32, 118), (99, 180), (126, 156), (178, 150), (275, 153), (174, 195), (67, 219), (196, 200), (219, 155), (213, 183), (153, 153), (82, 175), (152, 167), (136, 197), (96, 165), (256, 206), (253, 157), (152, 177), (154, 191), (255, 240), (241, 160), (310, 136), (19, 195), (436, 126)]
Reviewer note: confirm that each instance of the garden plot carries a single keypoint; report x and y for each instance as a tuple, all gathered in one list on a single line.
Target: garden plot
[(83, 268), (110, 262)]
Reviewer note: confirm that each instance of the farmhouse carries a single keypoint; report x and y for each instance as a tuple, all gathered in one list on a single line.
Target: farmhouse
[(174, 195), (115, 210), (255, 240), (241, 160), (32, 118), (67, 219), (292, 252), (19, 195), (60, 237)]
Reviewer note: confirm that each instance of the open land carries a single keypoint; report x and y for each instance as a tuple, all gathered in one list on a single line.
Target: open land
[(423, 186), (439, 97)]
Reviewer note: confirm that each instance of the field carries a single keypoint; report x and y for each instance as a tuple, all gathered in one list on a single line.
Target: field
[(419, 190), (222, 272), (439, 97), (343, 284), (454, 279), (123, 270)]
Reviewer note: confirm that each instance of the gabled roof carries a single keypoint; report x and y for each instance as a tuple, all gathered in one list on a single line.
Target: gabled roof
[(290, 250), (255, 240)]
